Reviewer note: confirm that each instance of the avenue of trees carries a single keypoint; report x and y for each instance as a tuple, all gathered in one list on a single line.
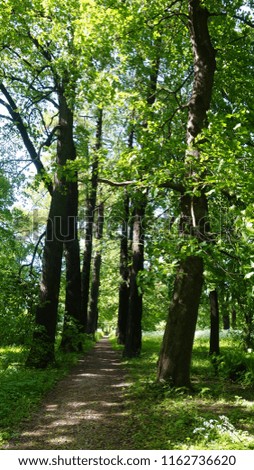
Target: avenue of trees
[(126, 174)]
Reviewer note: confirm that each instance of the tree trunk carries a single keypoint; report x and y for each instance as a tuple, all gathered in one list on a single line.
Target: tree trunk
[(87, 256), (124, 289), (226, 320), (91, 203), (233, 318), (73, 319), (175, 357), (73, 322), (215, 323), (134, 327), (92, 320), (42, 350), (248, 328)]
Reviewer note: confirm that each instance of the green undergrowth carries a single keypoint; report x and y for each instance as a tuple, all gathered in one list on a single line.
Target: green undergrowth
[(218, 414), (22, 389)]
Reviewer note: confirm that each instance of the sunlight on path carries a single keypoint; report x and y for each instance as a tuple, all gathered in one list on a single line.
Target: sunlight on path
[(86, 410)]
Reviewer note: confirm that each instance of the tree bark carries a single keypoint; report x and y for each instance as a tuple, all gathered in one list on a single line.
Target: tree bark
[(215, 323), (92, 320), (42, 350), (124, 288), (226, 320), (175, 357), (233, 318), (91, 203), (133, 337), (73, 319)]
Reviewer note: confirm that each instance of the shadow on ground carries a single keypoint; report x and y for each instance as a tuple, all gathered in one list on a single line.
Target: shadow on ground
[(86, 410)]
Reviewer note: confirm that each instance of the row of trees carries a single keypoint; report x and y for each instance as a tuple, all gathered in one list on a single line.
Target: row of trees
[(142, 113)]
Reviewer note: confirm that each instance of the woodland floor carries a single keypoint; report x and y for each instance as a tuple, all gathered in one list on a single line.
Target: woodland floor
[(85, 410)]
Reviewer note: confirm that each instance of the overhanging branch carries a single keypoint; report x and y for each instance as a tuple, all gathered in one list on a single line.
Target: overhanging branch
[(172, 185), (168, 184), (33, 257), (244, 20), (116, 183)]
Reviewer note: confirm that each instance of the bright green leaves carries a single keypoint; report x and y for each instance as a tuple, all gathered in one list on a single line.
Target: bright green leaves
[(227, 157), (14, 289)]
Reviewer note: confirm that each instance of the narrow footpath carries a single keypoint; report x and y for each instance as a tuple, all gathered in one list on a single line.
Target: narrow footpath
[(86, 410)]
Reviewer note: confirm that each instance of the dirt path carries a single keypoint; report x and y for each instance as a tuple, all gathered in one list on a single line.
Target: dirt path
[(86, 410)]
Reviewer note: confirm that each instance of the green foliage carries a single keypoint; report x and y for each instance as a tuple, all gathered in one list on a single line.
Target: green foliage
[(22, 389), (218, 414), (212, 430), (237, 366), (17, 288)]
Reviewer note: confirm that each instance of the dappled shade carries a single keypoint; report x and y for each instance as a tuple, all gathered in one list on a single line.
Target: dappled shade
[(85, 410)]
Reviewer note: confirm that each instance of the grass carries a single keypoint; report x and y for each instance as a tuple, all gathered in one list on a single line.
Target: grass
[(218, 415), (22, 389)]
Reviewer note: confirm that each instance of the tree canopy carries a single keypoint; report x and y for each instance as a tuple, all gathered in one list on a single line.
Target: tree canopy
[(142, 110)]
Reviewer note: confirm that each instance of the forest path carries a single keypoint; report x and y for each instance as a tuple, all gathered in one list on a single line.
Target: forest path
[(85, 410)]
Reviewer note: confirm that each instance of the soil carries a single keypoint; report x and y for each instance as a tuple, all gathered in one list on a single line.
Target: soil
[(86, 410)]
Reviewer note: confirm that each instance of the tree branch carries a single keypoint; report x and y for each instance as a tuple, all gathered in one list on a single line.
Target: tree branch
[(35, 250), (168, 184), (33, 257), (115, 183), (38, 46), (244, 20), (2, 116), (237, 258), (12, 108), (172, 185), (236, 17), (50, 137)]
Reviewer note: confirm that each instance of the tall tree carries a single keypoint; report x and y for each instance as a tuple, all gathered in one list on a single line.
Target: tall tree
[(51, 79), (42, 350), (74, 319), (48, 80), (123, 306), (90, 214), (92, 320), (133, 337), (175, 357)]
